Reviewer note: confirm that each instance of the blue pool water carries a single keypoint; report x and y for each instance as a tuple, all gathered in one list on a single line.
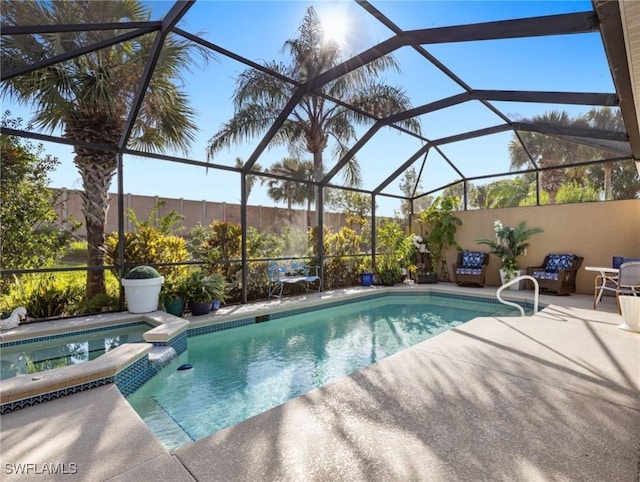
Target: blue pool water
[(57, 351), (241, 372)]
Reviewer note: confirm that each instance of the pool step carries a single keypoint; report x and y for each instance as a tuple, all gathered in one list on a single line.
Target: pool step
[(164, 426)]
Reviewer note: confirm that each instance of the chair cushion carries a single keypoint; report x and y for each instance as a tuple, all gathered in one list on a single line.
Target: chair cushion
[(476, 271), (545, 275), (557, 262), (472, 259)]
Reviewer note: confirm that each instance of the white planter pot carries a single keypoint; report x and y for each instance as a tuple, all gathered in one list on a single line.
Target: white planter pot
[(630, 306), (142, 294), (517, 286)]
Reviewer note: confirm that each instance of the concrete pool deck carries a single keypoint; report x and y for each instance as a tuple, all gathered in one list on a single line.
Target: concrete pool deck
[(555, 396)]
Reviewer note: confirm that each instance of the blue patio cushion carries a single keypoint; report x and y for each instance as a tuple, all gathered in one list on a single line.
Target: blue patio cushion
[(557, 262), (472, 259), (545, 275), (469, 271)]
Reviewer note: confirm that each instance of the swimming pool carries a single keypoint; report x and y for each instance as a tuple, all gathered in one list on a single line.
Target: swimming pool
[(241, 372), (54, 351)]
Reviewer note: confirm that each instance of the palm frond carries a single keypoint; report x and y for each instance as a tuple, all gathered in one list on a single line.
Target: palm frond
[(245, 124)]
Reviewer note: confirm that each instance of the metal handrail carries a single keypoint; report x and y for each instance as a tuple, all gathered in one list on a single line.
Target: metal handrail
[(536, 294)]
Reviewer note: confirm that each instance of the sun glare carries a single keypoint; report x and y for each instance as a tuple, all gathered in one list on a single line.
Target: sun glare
[(335, 25)]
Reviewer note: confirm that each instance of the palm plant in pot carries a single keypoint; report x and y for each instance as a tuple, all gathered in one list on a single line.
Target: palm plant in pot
[(173, 295), (509, 244), (142, 287), (202, 290)]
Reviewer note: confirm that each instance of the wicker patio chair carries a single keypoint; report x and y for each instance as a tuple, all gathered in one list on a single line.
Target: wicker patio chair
[(557, 273), (470, 268)]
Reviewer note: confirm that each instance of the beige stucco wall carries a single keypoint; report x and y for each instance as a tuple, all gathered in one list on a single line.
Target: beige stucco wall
[(597, 231)]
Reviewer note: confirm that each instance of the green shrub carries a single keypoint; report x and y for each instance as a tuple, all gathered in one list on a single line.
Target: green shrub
[(76, 252), (103, 302), (143, 272), (45, 296), (30, 233), (342, 269)]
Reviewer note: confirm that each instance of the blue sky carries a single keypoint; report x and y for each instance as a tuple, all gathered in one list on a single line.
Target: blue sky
[(257, 30)]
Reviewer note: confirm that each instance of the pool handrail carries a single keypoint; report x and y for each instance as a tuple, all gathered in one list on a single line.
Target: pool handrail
[(515, 280)]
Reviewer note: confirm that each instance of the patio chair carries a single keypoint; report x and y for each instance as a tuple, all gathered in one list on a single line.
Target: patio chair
[(290, 272), (627, 283), (557, 273), (470, 268)]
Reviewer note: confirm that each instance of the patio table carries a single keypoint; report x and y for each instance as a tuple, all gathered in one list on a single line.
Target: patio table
[(607, 274)]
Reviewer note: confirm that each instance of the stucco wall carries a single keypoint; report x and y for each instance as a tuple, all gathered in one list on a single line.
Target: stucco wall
[(597, 231)]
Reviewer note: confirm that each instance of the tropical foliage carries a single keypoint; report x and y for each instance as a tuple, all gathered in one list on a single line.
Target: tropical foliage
[(259, 99), (439, 225), (615, 180), (510, 243), (150, 242), (343, 265), (89, 97), (30, 236), (292, 186)]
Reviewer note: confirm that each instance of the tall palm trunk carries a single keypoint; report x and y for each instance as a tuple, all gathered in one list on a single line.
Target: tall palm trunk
[(309, 203), (97, 169), (608, 171), (318, 169)]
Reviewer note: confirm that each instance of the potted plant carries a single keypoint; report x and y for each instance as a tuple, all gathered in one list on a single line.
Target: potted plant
[(508, 245), (420, 270), (201, 291), (142, 289), (173, 295), (422, 274), (439, 225), (366, 274)]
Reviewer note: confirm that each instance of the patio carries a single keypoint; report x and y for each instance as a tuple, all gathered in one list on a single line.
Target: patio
[(554, 396)]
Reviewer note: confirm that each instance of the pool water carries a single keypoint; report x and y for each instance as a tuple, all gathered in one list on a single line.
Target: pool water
[(241, 372), (65, 350)]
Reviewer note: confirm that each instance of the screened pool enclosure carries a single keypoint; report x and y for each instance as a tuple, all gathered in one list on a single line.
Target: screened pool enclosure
[(226, 134)]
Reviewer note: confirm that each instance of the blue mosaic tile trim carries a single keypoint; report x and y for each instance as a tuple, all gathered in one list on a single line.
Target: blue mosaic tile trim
[(328, 304), (134, 376), (203, 330), (178, 343), (74, 333), (47, 397), (527, 305)]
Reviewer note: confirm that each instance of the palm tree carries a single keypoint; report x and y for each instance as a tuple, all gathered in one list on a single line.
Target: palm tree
[(507, 193), (89, 97), (293, 190), (251, 180), (606, 119), (260, 97), (479, 197), (547, 151)]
